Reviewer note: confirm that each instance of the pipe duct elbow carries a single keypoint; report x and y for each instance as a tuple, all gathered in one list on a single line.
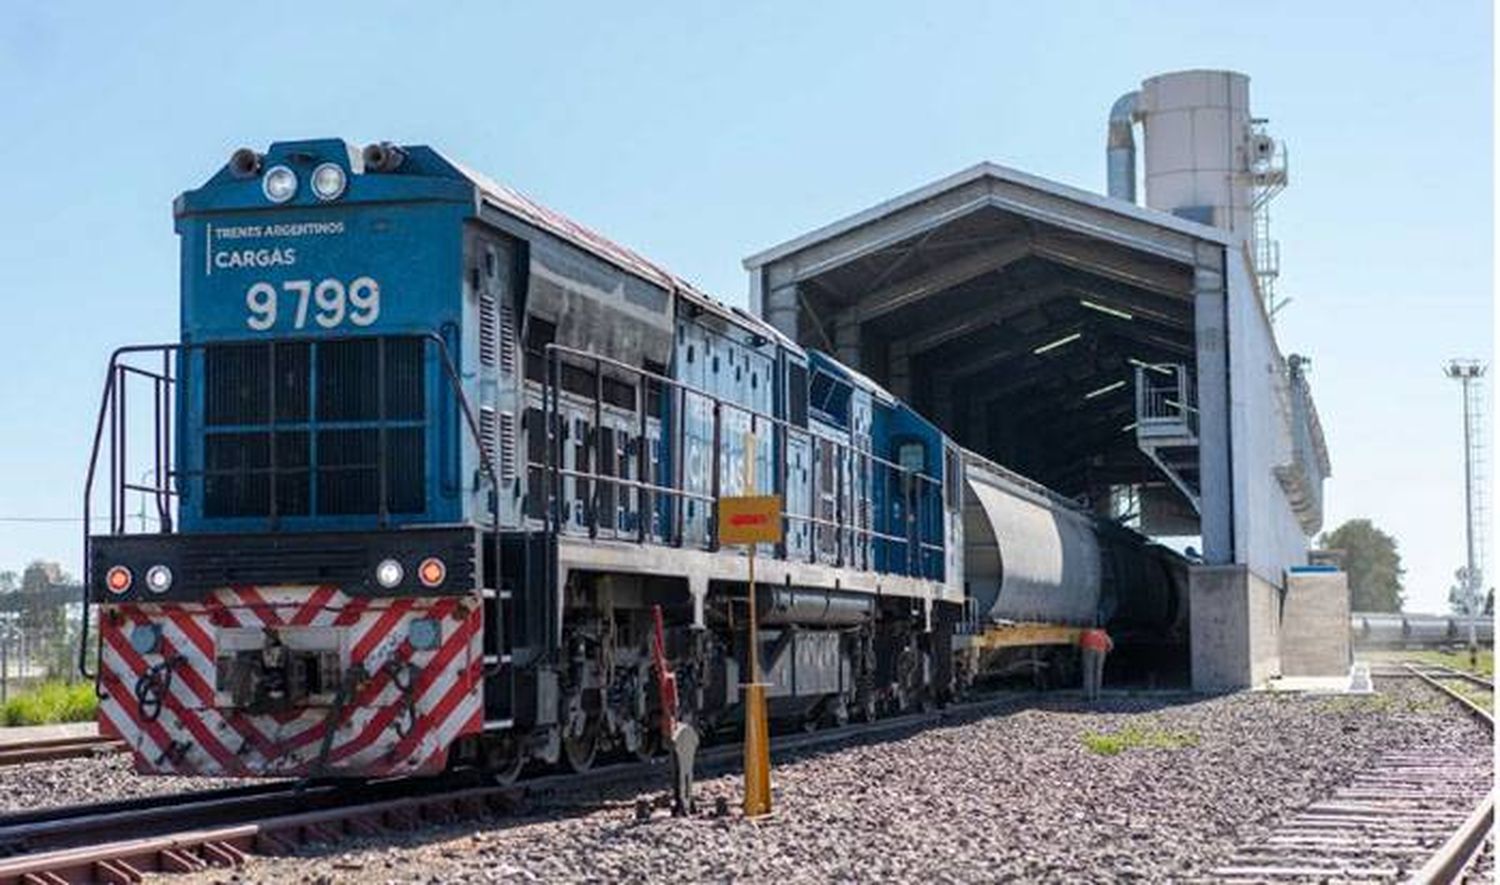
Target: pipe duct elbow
[(1121, 146)]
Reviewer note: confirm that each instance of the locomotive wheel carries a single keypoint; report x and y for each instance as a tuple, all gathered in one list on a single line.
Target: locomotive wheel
[(649, 745), (504, 761), (581, 750)]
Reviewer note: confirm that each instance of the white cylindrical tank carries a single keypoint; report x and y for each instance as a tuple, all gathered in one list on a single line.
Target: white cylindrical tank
[(1197, 137)]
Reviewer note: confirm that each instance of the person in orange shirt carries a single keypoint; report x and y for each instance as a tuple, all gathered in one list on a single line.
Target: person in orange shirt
[(1095, 644)]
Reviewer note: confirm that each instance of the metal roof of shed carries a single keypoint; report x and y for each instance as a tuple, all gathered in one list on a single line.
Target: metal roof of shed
[(963, 297), (987, 170)]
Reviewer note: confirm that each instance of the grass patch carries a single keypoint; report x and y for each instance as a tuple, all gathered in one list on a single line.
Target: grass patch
[(1458, 660), (50, 703), (1475, 693), (1137, 737)]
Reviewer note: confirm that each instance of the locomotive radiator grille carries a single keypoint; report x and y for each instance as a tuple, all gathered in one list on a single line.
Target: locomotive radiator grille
[(304, 428)]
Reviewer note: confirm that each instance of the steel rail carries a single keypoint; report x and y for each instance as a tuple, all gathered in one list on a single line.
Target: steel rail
[(1447, 672), (1463, 848), (224, 830), (1480, 713), (53, 749)]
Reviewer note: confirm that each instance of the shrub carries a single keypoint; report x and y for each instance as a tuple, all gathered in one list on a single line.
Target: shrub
[(49, 703)]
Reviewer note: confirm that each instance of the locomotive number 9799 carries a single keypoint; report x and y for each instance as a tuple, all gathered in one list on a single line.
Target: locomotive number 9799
[(330, 302)]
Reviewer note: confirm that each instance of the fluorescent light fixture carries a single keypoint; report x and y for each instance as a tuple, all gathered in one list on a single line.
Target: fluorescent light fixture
[(1100, 391), (1155, 367), (1052, 345), (1104, 308), (1128, 427), (1177, 405)]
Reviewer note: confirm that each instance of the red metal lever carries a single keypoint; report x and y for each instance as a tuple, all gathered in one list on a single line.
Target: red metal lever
[(666, 680)]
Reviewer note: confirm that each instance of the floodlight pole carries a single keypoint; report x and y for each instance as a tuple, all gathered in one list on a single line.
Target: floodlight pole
[(1468, 372)]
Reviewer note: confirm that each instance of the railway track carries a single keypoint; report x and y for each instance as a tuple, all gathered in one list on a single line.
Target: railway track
[(1411, 816), (122, 841), (1442, 671), (53, 749), (1437, 671)]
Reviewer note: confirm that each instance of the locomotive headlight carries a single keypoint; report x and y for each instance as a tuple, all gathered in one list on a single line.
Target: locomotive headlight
[(279, 185), (424, 634), (328, 181), (159, 579), (144, 638), (118, 579), (389, 573)]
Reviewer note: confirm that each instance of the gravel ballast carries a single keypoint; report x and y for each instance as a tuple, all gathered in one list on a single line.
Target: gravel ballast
[(102, 778), (1135, 788)]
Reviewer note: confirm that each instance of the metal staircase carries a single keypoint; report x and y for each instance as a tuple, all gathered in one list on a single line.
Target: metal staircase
[(1166, 423)]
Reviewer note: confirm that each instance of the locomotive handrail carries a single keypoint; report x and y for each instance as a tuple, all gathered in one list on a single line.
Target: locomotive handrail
[(553, 393), (112, 407), (697, 391), (107, 408), (606, 479)]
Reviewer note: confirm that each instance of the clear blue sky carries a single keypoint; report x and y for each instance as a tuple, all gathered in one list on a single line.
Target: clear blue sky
[(700, 132)]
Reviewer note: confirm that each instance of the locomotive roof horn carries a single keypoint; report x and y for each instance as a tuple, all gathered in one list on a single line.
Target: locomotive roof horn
[(244, 163), (383, 157)]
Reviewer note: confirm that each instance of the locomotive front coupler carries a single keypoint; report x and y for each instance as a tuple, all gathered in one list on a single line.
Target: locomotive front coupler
[(275, 677)]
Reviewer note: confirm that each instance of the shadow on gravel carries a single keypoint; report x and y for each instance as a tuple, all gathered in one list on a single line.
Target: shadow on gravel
[(550, 801)]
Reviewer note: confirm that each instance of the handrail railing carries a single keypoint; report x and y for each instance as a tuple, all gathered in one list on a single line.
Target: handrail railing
[(844, 528), (1165, 396), (113, 409)]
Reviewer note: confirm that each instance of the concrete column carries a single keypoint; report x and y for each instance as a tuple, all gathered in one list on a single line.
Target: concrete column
[(780, 309), (1215, 452), (1219, 628), (900, 371), (847, 338)]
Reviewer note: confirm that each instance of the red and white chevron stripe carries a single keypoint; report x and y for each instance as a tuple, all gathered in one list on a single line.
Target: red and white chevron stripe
[(383, 729)]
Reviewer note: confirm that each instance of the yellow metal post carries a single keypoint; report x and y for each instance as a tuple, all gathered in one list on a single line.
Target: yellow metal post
[(757, 724)]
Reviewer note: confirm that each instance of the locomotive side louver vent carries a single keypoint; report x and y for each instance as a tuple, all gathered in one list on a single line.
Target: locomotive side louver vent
[(507, 447), (487, 328), (487, 432), (507, 339)]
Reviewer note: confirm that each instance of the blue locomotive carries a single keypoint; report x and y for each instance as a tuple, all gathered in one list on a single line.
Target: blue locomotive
[(428, 455)]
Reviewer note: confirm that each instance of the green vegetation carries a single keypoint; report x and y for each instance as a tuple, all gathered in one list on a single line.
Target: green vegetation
[(1136, 737), (1476, 693), (1373, 565), (49, 703), (1458, 660)]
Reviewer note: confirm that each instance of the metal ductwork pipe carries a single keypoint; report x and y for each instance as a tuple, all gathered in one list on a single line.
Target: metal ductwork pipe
[(1121, 150)]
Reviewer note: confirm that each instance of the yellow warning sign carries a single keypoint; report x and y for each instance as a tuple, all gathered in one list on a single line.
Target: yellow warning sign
[(750, 520)]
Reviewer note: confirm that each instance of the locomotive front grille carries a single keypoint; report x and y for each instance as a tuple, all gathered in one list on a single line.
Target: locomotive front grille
[(304, 428)]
